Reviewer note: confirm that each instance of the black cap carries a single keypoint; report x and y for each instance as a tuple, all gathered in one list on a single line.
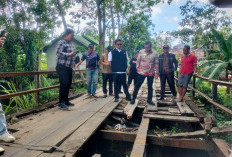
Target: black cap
[(91, 46), (109, 48), (165, 46)]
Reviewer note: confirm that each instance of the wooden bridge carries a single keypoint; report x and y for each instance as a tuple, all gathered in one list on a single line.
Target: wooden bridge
[(50, 132)]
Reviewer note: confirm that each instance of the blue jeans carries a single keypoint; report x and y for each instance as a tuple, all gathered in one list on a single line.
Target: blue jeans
[(3, 128), (91, 76)]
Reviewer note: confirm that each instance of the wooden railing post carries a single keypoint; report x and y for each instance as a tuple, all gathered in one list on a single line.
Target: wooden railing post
[(37, 93), (214, 89), (194, 86)]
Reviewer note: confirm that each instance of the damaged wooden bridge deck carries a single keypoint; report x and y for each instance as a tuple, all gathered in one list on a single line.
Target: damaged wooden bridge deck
[(56, 133)]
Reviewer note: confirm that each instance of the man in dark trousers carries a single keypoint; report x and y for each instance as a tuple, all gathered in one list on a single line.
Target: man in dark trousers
[(66, 58), (132, 71), (118, 58), (167, 65)]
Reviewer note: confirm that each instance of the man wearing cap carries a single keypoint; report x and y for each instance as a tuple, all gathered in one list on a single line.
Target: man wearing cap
[(106, 72), (167, 65)]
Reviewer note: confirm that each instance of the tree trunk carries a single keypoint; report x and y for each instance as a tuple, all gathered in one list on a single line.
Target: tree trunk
[(104, 25), (61, 14), (112, 20), (227, 88), (119, 24), (99, 16)]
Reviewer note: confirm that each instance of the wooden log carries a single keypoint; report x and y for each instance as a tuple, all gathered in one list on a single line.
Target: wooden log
[(138, 149), (184, 109), (172, 118)]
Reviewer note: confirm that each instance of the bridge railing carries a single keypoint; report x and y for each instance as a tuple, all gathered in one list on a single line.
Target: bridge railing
[(214, 98), (37, 89)]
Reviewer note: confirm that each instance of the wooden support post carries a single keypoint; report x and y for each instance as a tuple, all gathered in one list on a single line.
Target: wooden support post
[(194, 86), (214, 89)]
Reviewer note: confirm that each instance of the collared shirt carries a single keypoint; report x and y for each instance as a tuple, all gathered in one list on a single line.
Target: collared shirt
[(62, 54), (106, 68), (91, 59), (147, 63), (110, 59), (187, 64), (165, 64)]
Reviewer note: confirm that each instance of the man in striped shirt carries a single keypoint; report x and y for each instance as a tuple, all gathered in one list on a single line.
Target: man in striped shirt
[(64, 64)]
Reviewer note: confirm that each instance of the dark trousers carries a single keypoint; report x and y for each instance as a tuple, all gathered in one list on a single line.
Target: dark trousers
[(170, 78), (140, 80), (107, 77), (65, 78), (120, 79)]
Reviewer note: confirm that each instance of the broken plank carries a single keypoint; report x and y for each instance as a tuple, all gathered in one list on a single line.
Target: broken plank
[(172, 118), (140, 140), (73, 143), (198, 112), (130, 108), (184, 109)]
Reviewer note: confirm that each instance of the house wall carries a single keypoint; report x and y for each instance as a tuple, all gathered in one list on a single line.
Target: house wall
[(51, 57)]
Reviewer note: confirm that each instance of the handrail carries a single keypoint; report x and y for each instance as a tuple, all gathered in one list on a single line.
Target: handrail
[(7, 96), (217, 82), (13, 74)]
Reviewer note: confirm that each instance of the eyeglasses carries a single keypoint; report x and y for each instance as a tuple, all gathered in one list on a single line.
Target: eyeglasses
[(119, 44)]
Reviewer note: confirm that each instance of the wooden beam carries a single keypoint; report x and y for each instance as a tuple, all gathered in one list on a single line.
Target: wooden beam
[(172, 118), (138, 149), (220, 148), (159, 141), (130, 108)]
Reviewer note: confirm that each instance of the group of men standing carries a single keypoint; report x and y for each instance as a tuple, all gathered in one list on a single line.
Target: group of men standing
[(145, 64)]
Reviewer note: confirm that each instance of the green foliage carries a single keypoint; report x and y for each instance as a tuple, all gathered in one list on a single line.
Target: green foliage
[(136, 32)]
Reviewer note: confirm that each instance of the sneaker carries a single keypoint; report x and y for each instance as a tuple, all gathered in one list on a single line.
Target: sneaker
[(95, 96), (111, 94), (69, 104), (151, 103), (1, 151), (62, 106), (105, 95), (132, 101), (6, 137), (116, 100), (89, 95)]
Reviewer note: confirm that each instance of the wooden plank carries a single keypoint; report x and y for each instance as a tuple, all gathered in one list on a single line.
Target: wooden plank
[(172, 118), (184, 109), (199, 113), (194, 134), (138, 149), (82, 134), (220, 148), (53, 154), (222, 130), (208, 123), (96, 155), (22, 152), (130, 108), (152, 108), (174, 110), (159, 141)]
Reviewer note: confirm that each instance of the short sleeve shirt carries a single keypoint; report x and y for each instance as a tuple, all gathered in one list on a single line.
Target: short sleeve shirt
[(187, 64), (91, 59)]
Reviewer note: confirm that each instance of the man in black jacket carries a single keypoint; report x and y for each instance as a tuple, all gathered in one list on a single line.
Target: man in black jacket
[(167, 65), (118, 58)]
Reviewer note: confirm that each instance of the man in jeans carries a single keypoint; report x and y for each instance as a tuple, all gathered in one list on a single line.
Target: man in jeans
[(167, 65), (118, 58), (92, 63), (188, 68), (4, 135), (147, 67), (65, 63), (106, 72)]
